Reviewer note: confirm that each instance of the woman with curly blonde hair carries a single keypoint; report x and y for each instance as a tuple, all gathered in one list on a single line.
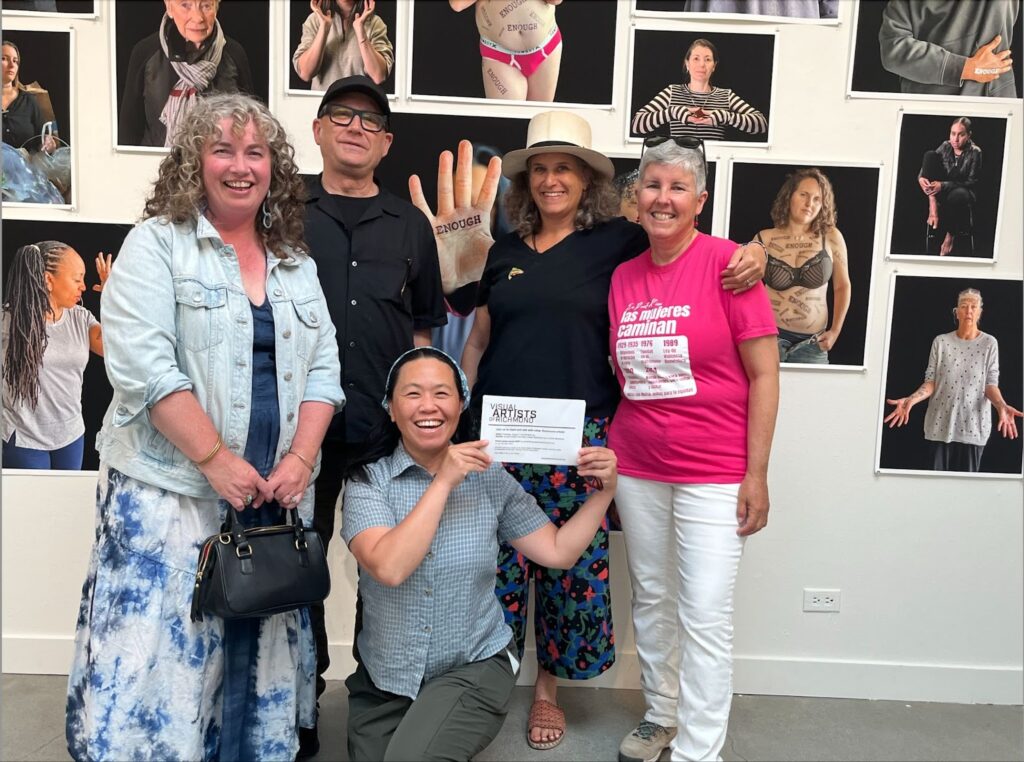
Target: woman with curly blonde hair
[(805, 252), (225, 373)]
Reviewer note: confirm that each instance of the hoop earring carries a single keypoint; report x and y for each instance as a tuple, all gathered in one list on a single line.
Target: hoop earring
[(267, 219)]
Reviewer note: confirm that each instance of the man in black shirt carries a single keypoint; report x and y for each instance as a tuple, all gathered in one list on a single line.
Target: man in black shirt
[(377, 262)]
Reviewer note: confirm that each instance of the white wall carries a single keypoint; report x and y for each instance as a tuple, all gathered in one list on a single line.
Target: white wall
[(930, 568)]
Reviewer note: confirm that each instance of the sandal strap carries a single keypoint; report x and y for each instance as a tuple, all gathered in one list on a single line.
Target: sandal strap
[(544, 714)]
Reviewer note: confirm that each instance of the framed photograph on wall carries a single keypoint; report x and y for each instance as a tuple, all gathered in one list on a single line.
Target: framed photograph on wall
[(717, 86), (947, 192), (819, 222), (147, 36), (80, 9), (39, 133), (954, 346), (914, 50), (789, 11), (513, 51), (73, 391), (315, 59)]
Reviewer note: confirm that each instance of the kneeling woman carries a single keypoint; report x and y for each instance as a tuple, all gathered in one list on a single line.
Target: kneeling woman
[(437, 659)]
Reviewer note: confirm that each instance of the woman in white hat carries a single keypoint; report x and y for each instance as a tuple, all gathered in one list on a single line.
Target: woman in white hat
[(541, 330)]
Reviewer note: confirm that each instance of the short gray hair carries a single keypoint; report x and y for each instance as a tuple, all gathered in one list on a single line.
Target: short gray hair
[(970, 293), (671, 153)]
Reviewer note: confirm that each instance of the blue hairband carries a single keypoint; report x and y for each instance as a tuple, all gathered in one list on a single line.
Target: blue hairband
[(438, 354)]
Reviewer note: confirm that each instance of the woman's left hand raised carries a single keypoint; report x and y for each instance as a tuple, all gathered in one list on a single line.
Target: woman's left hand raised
[(289, 480), (357, 21), (103, 264), (752, 505)]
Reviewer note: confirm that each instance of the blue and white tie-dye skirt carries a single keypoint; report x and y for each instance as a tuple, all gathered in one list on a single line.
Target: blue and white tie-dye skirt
[(146, 682)]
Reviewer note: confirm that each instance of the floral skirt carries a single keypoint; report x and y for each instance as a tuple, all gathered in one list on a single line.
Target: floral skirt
[(573, 616), (146, 683)]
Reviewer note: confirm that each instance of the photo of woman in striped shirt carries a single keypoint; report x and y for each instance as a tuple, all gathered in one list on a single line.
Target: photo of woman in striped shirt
[(698, 108)]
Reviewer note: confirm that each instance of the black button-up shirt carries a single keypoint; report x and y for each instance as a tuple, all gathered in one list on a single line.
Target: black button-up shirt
[(382, 282)]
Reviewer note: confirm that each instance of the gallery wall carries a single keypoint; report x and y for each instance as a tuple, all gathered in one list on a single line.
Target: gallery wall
[(930, 566)]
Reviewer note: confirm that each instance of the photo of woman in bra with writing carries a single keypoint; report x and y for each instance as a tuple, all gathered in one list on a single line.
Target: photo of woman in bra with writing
[(818, 223), (806, 251)]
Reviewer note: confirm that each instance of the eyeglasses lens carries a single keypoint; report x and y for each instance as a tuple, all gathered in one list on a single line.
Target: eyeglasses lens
[(343, 116)]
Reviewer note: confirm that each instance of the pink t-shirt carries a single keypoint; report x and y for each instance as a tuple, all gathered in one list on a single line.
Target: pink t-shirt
[(674, 344)]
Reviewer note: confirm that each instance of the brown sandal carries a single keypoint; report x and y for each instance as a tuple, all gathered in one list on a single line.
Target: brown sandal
[(546, 716)]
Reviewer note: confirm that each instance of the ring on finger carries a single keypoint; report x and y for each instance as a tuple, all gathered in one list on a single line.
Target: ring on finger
[(248, 500)]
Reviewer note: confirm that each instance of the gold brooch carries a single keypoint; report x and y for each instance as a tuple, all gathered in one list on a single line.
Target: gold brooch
[(514, 272)]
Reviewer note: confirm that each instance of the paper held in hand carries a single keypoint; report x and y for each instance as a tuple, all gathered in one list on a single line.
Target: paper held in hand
[(533, 429)]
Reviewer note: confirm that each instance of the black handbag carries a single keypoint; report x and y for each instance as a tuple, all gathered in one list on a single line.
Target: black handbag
[(246, 573)]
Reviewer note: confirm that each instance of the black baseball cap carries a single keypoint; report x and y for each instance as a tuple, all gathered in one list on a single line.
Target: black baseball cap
[(356, 84)]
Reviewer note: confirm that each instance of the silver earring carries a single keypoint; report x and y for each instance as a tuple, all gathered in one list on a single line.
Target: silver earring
[(267, 219)]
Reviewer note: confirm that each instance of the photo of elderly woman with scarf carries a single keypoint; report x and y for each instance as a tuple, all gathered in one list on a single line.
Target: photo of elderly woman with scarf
[(170, 52)]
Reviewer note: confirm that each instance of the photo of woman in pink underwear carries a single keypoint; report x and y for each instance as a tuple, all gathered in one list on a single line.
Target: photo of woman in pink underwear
[(513, 51), (520, 47)]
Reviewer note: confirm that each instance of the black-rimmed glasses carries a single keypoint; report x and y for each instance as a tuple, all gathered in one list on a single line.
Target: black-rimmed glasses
[(372, 121), (684, 141)]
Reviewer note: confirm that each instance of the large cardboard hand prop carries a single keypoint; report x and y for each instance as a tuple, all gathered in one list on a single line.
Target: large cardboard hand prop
[(462, 226)]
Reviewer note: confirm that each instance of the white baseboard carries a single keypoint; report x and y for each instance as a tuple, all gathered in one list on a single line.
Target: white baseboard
[(822, 678), (757, 675)]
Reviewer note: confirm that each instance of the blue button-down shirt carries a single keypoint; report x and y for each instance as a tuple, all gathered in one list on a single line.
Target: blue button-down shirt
[(176, 318), (445, 614)]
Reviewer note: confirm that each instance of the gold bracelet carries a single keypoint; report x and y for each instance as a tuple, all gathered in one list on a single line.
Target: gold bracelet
[(214, 451), (305, 462)]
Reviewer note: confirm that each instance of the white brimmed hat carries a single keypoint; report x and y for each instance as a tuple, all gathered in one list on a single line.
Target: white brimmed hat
[(557, 132)]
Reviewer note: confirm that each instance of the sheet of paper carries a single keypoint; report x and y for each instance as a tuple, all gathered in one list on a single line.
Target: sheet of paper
[(533, 429)]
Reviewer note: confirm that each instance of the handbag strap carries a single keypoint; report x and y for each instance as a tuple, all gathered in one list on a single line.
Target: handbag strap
[(233, 526), (236, 529)]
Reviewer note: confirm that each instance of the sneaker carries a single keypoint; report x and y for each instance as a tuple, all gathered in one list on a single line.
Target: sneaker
[(645, 743)]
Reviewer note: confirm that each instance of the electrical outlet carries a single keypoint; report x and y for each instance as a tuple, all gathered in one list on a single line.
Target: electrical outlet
[(817, 599)]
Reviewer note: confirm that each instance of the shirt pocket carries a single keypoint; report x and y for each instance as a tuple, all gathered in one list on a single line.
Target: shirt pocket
[(310, 316), (389, 278), (200, 314)]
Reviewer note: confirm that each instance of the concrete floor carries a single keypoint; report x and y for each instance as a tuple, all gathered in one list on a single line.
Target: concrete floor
[(761, 728)]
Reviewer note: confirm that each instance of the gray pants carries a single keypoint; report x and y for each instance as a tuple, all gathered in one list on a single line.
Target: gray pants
[(454, 716), (956, 456)]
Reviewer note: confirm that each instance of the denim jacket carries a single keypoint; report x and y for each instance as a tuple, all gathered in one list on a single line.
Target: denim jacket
[(175, 318)]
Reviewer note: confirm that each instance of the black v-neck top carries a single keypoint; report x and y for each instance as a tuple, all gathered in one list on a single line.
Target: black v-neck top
[(549, 316)]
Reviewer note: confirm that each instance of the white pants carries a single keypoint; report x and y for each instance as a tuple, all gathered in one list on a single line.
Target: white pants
[(683, 555)]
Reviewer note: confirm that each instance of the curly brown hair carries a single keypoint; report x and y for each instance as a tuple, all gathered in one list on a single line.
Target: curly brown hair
[(826, 219), (600, 202), (179, 196)]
